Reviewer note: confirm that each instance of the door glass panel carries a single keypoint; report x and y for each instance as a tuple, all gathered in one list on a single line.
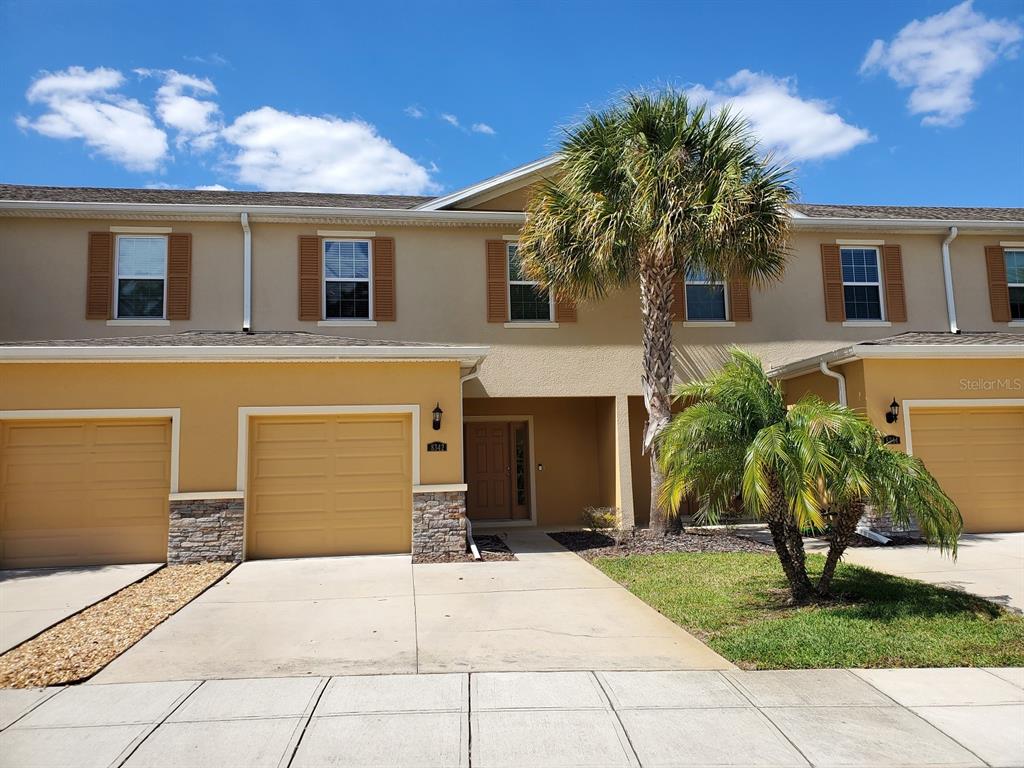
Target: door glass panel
[(521, 458)]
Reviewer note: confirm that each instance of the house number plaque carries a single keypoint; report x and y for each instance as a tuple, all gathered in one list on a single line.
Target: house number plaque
[(437, 446)]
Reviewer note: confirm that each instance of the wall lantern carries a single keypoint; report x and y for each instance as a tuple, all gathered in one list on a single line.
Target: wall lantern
[(894, 412), (437, 416)]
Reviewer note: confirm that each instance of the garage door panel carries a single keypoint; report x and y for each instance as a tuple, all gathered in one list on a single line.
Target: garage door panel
[(329, 486), (976, 455), (85, 492)]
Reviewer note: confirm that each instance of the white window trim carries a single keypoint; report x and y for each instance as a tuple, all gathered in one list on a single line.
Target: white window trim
[(118, 277), (509, 282), (1014, 321), (174, 414), (140, 322), (883, 321), (725, 322), (368, 280), (347, 323)]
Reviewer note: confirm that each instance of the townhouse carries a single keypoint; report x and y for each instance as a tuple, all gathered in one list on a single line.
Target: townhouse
[(195, 374)]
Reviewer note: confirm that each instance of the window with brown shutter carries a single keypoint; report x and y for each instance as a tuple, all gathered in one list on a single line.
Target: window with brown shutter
[(497, 281), (179, 276), (895, 297), (832, 278), (384, 307), (310, 278), (739, 301), (99, 282), (998, 285)]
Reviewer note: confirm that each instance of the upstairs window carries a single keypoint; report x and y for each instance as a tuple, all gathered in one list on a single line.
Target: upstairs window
[(705, 298), (1015, 281), (141, 276), (347, 279), (862, 285), (527, 300)]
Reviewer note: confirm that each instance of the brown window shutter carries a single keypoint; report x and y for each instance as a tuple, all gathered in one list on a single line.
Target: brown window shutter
[(310, 268), (678, 299), (179, 276), (497, 281), (384, 307), (99, 281), (895, 297), (565, 310), (739, 301), (832, 276), (998, 288)]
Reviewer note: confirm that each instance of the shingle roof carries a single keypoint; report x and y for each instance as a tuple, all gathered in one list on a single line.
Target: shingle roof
[(204, 197), (224, 339), (962, 338), (909, 212)]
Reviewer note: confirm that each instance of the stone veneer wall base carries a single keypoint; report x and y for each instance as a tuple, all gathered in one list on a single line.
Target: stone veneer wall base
[(205, 530), (439, 523)]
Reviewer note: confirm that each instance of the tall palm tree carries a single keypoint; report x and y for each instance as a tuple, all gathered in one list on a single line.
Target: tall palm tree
[(645, 190), (815, 465)]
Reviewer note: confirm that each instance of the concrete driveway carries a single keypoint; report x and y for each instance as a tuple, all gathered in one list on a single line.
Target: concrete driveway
[(33, 599), (549, 610)]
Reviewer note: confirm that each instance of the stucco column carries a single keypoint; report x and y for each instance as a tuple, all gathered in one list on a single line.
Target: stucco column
[(623, 463)]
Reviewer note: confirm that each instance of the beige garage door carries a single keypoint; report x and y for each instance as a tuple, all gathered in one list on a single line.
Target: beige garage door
[(977, 454), (84, 492), (329, 485)]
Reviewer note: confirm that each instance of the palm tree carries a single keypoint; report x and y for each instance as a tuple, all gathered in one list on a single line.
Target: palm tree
[(645, 190), (811, 466)]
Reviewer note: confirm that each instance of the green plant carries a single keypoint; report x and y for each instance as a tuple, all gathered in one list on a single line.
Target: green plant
[(602, 518), (796, 468), (643, 186)]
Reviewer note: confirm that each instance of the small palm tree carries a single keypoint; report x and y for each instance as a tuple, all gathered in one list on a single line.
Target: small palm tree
[(645, 190), (811, 466)]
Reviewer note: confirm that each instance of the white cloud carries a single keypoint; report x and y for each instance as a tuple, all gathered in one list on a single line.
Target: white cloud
[(180, 104), (483, 128), (211, 58), (212, 188), (414, 112), (84, 104), (452, 120), (940, 58), (795, 127), (280, 150)]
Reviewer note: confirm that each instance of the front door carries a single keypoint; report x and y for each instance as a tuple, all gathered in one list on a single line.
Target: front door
[(488, 471)]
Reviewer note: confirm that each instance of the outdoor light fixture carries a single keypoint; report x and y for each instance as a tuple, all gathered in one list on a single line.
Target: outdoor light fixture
[(894, 412), (437, 416)]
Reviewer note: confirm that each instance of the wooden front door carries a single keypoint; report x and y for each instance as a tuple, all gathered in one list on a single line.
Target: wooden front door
[(488, 471)]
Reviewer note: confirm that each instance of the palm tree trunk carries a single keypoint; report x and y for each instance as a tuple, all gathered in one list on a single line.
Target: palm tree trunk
[(789, 546), (656, 276), (843, 526)]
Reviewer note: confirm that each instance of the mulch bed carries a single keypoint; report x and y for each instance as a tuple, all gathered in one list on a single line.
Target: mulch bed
[(895, 540), (492, 549), (593, 544), (81, 645)]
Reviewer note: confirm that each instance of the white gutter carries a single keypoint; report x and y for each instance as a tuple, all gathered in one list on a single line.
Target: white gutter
[(840, 380), (468, 356), (923, 226), (246, 273), (947, 276)]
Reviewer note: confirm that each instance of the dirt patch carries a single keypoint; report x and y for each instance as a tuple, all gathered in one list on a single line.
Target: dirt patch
[(81, 645), (594, 544), (492, 549)]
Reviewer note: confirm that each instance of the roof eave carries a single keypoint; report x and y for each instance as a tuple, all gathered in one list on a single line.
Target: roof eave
[(488, 185), (910, 226), (897, 352)]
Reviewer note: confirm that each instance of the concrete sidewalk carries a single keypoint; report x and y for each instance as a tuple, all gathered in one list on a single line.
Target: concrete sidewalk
[(910, 717)]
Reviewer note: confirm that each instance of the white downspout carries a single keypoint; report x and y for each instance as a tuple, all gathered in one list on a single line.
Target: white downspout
[(246, 274), (947, 275), (838, 377)]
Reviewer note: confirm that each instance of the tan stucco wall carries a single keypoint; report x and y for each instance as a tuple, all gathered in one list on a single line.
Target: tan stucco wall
[(565, 439), (640, 464), (209, 395), (440, 275), (606, 464), (827, 388)]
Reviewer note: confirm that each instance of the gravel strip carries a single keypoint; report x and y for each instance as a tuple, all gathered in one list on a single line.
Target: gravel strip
[(492, 549), (81, 645), (593, 544)]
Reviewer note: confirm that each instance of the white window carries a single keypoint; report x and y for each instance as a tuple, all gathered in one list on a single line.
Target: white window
[(141, 282), (862, 283), (347, 276), (705, 298), (1015, 281), (527, 300)]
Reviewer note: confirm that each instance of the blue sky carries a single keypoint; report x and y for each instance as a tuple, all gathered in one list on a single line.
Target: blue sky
[(873, 102)]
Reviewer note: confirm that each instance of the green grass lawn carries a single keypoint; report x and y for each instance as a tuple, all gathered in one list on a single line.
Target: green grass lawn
[(735, 602)]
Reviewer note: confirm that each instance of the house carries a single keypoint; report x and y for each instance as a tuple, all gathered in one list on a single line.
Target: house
[(208, 374)]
